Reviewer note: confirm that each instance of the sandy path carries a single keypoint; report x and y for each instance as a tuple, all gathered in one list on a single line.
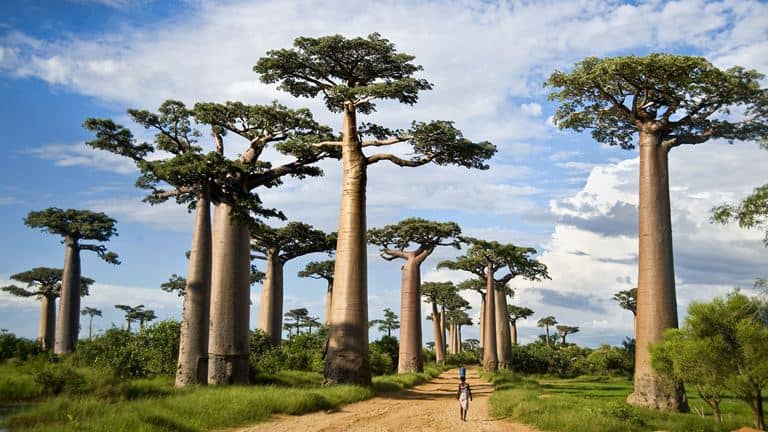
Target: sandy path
[(431, 406)]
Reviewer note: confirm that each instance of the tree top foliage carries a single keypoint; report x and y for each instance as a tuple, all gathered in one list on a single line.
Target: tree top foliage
[(684, 99), (319, 270), (565, 329), (482, 253), (437, 292), (345, 71), (421, 233), (752, 212), (43, 281), (293, 240), (92, 311), (479, 284), (518, 312), (76, 225), (627, 299), (546, 321)]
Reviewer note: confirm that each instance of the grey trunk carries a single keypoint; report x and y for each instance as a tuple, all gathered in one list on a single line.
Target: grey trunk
[(490, 357), (68, 320), (47, 321), (271, 304), (409, 355), (503, 345)]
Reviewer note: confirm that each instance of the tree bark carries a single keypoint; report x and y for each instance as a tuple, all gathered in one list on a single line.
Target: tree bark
[(757, 410), (328, 302), (47, 328), (439, 341), (68, 320), (347, 355), (230, 299), (458, 336), (490, 356), (442, 323), (409, 355), (451, 339), (715, 405), (513, 332), (271, 306), (192, 367), (656, 303), (503, 341), (482, 320)]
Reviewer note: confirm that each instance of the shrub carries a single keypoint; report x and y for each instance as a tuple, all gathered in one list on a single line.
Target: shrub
[(19, 348), (57, 378)]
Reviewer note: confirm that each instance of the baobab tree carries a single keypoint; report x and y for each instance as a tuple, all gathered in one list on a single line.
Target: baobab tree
[(321, 270), (91, 312), (309, 322), (75, 226), (45, 284), (421, 237), (297, 316), (145, 316), (291, 133), (627, 299), (546, 322), (484, 259), (436, 293), (515, 313), (277, 246), (131, 314), (668, 101), (389, 323), (477, 285), (455, 307), (564, 330), (351, 75)]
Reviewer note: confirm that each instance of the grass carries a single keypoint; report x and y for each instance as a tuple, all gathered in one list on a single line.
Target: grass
[(155, 405), (594, 404)]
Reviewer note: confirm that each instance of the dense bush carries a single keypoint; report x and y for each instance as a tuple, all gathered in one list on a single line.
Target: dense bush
[(149, 352), (56, 378), (463, 358), (571, 360), (302, 352), (19, 348)]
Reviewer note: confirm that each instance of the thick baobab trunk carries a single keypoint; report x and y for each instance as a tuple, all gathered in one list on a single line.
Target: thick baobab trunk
[(439, 341), (409, 355), (513, 332), (47, 321), (230, 299), (490, 356), (482, 320), (192, 367), (68, 320), (656, 302), (503, 341), (347, 356), (328, 302), (271, 306), (451, 339)]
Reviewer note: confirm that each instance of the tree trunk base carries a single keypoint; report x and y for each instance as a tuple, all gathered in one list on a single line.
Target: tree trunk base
[(411, 365), (490, 366), (656, 392), (227, 369), (347, 369)]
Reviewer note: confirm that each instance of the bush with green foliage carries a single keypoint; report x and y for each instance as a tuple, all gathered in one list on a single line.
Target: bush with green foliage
[(18, 348), (302, 352), (463, 358)]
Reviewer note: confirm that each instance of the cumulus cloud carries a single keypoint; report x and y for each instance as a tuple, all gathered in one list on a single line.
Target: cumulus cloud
[(70, 155)]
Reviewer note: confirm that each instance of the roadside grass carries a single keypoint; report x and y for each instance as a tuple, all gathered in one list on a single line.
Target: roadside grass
[(595, 404), (153, 404)]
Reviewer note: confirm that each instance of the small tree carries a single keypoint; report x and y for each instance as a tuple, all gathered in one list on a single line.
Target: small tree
[(75, 226), (321, 270), (422, 237), (721, 343), (145, 316), (91, 312), (310, 322), (389, 323), (45, 284), (546, 322), (627, 300), (665, 101), (132, 313), (564, 330), (515, 313), (298, 316)]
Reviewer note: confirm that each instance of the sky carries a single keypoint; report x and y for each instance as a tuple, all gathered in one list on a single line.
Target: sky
[(561, 192)]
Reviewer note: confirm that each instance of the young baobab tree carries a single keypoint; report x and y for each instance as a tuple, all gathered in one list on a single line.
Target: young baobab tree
[(291, 133), (435, 293), (564, 330), (145, 316), (515, 313), (477, 285), (389, 323), (669, 101), (484, 259), (455, 307), (297, 316), (45, 284), (131, 314), (422, 237), (321, 270), (91, 312), (277, 246), (627, 299), (351, 75), (310, 322), (75, 226), (546, 322)]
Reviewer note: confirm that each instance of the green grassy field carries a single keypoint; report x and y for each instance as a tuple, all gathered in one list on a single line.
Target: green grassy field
[(155, 405), (595, 404)]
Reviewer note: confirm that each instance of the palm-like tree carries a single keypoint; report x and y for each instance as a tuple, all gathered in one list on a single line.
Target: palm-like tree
[(546, 322), (91, 312)]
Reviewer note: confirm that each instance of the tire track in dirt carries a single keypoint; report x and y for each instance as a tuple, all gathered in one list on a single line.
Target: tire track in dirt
[(431, 406)]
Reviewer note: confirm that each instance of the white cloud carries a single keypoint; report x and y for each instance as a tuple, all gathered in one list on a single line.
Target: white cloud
[(71, 155), (166, 215), (532, 109)]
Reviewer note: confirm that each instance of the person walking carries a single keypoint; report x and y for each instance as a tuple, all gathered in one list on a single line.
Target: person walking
[(464, 396)]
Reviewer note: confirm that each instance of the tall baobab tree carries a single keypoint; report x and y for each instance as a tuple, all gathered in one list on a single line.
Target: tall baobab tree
[(351, 75), (75, 226), (45, 284), (484, 259), (291, 133), (91, 312), (455, 307), (422, 237), (515, 313), (546, 322), (321, 270), (477, 285), (132, 314), (668, 101), (436, 293), (564, 330), (277, 246)]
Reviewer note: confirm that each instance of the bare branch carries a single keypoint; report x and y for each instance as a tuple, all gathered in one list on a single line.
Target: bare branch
[(327, 144), (398, 161), (391, 254), (386, 142)]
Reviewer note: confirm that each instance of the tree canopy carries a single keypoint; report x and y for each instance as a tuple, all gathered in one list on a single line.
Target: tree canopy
[(518, 312), (627, 299), (77, 225), (293, 240), (682, 98), (318, 270), (43, 281), (414, 232)]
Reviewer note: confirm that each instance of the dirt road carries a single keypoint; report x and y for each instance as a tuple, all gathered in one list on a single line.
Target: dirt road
[(431, 406)]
